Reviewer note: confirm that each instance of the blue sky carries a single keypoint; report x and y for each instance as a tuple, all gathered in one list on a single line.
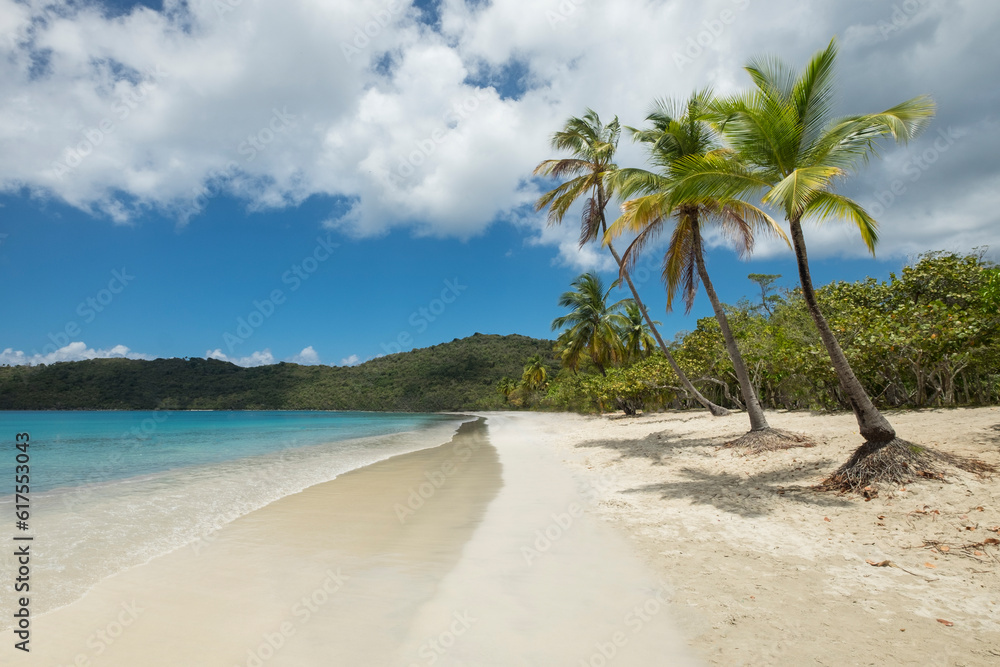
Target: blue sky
[(239, 145)]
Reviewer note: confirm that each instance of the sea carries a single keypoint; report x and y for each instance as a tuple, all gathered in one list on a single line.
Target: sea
[(111, 490)]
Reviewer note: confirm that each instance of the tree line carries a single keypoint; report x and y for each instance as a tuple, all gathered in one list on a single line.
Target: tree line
[(927, 337)]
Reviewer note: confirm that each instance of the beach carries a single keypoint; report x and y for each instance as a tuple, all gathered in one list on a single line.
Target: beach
[(769, 571), (554, 539)]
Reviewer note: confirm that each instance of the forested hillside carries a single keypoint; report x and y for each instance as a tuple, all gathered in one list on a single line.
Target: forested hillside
[(460, 375)]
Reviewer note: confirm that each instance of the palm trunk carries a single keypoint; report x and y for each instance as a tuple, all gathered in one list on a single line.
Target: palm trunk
[(757, 420), (716, 410), (873, 426)]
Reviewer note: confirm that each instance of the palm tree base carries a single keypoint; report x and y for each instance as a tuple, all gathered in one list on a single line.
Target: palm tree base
[(718, 410), (883, 463), (767, 440), (897, 462)]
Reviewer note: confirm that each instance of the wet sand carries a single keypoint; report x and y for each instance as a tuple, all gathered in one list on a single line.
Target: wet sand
[(483, 551)]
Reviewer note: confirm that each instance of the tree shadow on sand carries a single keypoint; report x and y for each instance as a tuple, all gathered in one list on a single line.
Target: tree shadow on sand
[(737, 493), (746, 495), (655, 447)]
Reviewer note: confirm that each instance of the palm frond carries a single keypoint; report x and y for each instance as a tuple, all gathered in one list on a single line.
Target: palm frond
[(828, 204), (794, 191)]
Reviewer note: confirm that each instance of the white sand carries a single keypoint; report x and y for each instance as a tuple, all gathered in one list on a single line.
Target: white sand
[(340, 574), (770, 578)]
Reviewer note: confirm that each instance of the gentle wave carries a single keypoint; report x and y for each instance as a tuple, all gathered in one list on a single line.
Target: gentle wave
[(86, 533)]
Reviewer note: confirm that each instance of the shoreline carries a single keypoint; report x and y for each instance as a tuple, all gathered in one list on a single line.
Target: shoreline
[(337, 569), (548, 538), (93, 531)]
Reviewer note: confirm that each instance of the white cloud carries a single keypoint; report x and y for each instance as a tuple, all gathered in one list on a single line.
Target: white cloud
[(352, 360), (259, 358), (75, 351), (307, 357), (411, 127)]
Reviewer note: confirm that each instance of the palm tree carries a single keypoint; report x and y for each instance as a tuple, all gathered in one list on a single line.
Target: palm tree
[(679, 130), (506, 386), (792, 149), (593, 325), (636, 337), (534, 375), (593, 145)]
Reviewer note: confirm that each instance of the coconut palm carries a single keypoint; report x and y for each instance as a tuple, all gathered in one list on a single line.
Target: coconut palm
[(592, 324), (676, 131), (791, 148), (593, 145), (506, 386), (534, 375), (637, 340)]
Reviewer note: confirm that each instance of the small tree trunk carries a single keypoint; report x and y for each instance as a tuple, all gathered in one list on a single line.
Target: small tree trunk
[(716, 410), (874, 427), (757, 419)]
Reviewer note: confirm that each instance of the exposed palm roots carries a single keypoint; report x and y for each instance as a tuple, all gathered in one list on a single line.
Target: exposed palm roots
[(768, 440), (896, 462)]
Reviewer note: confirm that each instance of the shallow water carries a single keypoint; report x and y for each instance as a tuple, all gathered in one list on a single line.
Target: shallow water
[(111, 490)]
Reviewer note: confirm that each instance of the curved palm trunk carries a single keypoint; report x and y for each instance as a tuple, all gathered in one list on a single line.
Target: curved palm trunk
[(716, 410), (873, 426), (757, 420)]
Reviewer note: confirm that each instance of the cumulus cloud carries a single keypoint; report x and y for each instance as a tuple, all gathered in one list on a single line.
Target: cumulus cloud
[(307, 357), (75, 351), (437, 127), (259, 358), (352, 360)]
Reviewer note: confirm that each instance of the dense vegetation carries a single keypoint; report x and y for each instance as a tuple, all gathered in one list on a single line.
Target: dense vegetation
[(929, 336), (460, 375)]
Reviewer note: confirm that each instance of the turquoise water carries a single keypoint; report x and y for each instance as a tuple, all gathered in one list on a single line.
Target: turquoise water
[(76, 448), (111, 490)]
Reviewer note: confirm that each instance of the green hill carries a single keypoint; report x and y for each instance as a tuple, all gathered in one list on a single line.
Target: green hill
[(460, 375)]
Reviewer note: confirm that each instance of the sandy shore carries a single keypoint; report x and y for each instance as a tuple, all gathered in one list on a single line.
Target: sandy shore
[(478, 552), (769, 572), (543, 539)]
